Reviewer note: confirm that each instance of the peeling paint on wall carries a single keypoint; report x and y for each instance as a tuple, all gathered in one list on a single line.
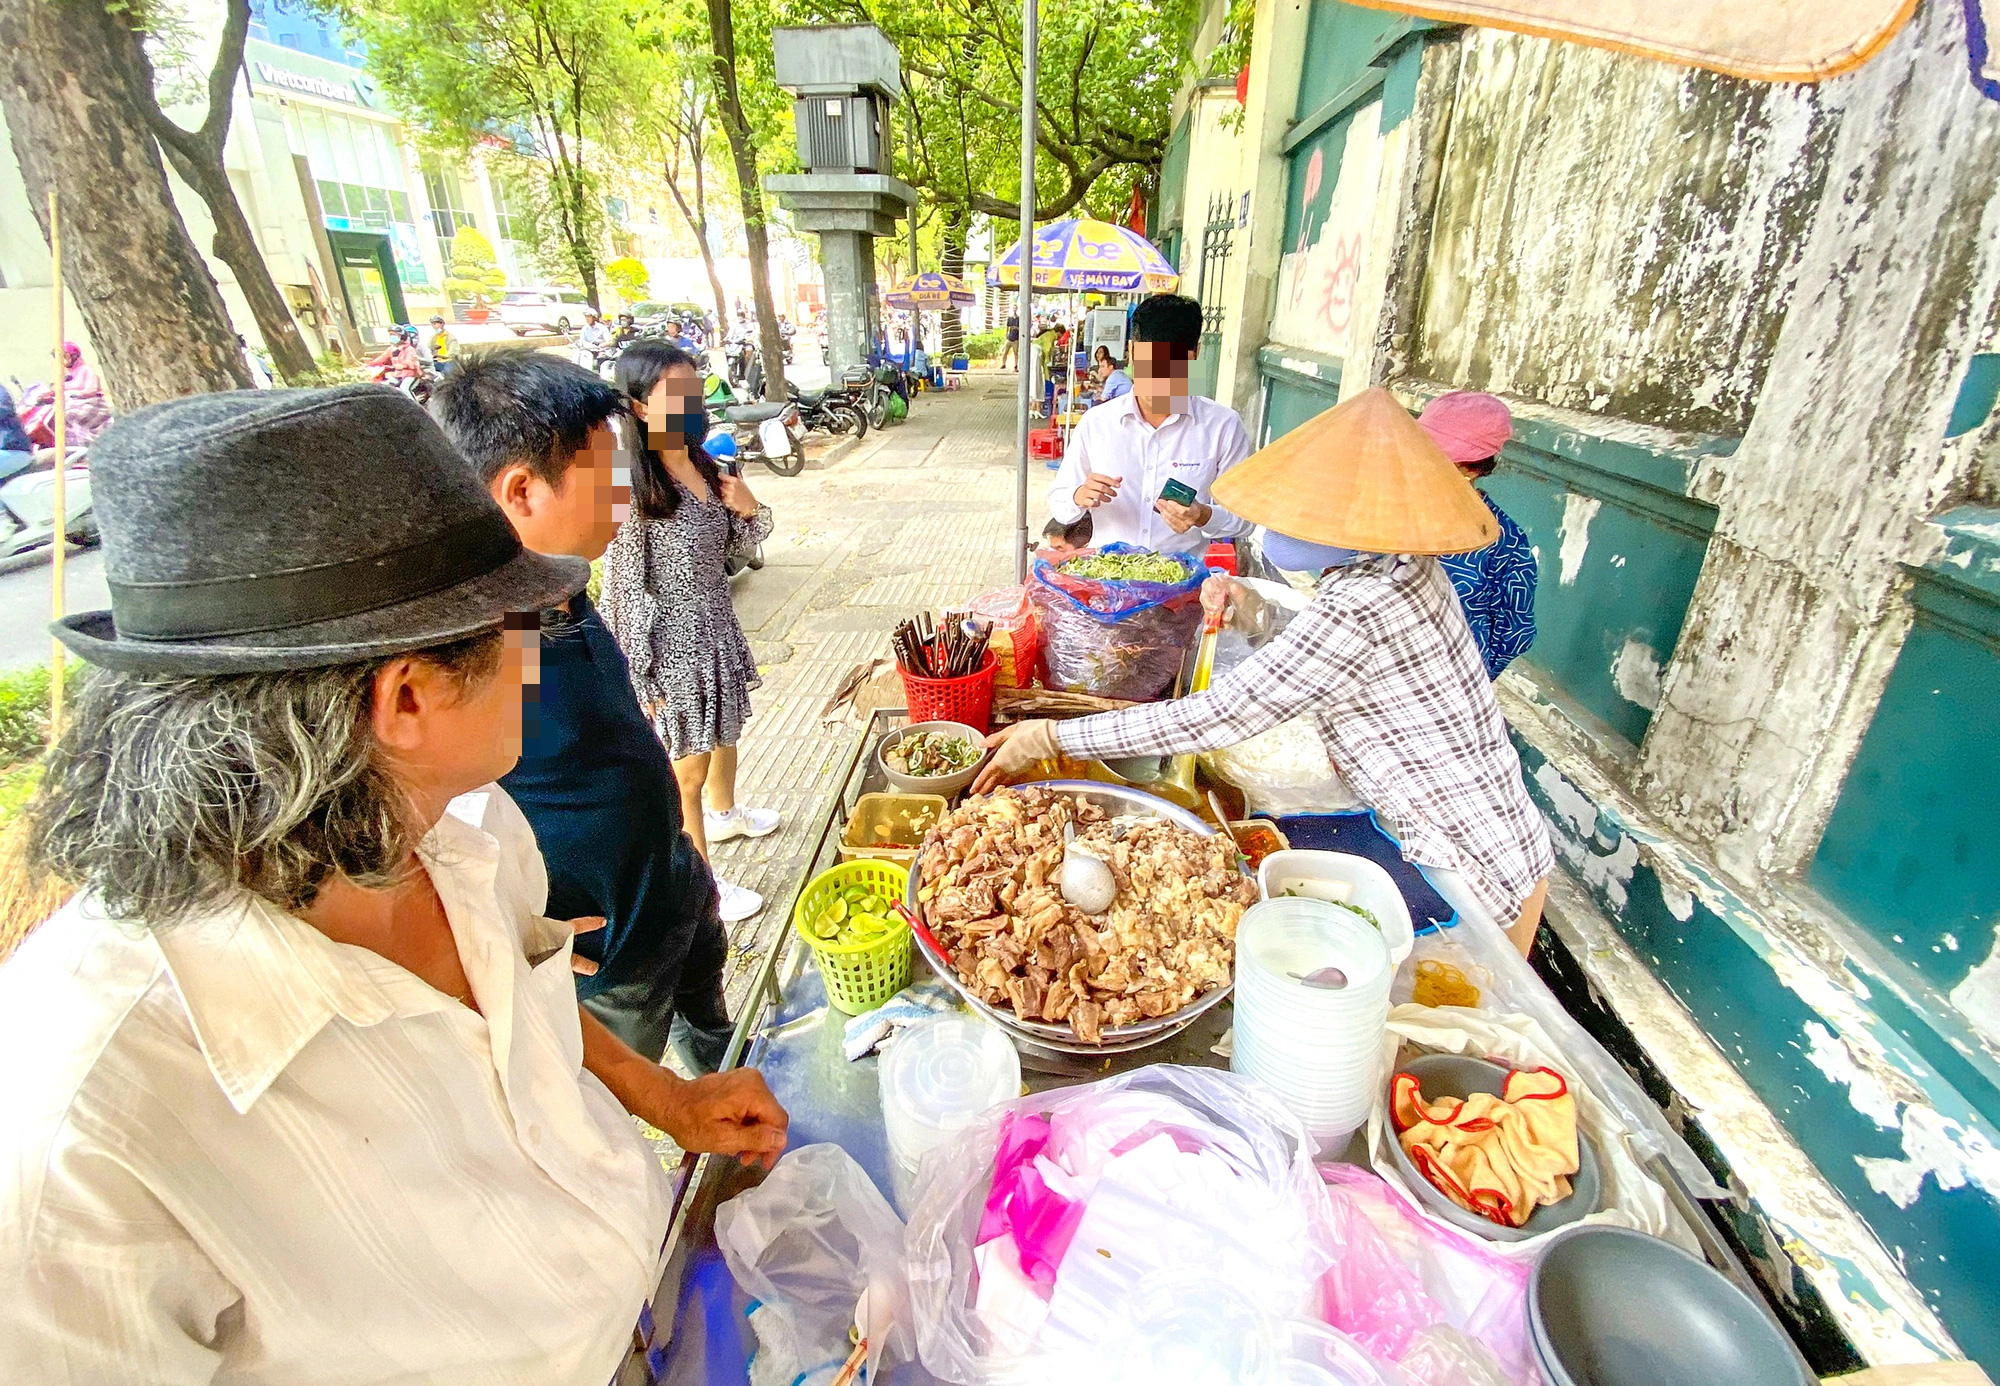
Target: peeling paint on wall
[(1978, 996), (1635, 673), (1575, 533), (1939, 1147), (1661, 303), (1830, 1056)]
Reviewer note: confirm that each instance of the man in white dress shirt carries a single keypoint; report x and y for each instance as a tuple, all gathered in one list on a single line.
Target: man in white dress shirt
[(298, 1091), (1124, 453)]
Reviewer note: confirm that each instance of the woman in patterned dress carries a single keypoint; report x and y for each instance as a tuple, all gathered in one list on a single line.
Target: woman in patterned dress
[(666, 598)]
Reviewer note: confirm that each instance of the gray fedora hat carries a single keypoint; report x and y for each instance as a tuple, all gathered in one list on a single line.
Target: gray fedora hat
[(295, 529)]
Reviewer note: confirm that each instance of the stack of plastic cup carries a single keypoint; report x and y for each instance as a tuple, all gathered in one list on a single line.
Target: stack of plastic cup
[(1318, 1043), (936, 1078)]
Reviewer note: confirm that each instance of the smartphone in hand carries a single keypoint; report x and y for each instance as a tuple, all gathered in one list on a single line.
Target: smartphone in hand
[(1179, 492)]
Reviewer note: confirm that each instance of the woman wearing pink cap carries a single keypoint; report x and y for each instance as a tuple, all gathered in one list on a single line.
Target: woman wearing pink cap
[(1496, 584)]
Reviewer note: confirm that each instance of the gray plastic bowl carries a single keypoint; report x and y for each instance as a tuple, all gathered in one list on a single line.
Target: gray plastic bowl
[(1457, 1075), (1608, 1306), (946, 785)]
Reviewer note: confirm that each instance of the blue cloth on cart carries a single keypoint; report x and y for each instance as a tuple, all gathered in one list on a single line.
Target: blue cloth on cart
[(1362, 836)]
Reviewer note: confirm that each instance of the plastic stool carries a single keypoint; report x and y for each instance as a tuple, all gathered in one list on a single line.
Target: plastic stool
[(1045, 443)]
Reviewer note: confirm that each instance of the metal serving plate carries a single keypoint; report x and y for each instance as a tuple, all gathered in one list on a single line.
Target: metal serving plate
[(1040, 1034)]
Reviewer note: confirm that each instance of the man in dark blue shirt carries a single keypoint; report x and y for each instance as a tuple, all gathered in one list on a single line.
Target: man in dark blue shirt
[(594, 780)]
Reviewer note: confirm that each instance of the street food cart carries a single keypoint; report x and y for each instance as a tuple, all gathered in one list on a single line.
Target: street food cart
[(789, 1032)]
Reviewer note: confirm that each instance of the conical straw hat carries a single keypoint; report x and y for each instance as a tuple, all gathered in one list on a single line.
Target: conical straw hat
[(1362, 476)]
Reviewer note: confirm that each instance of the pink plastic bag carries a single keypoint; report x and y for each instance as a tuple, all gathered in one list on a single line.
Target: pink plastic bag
[(1400, 1274)]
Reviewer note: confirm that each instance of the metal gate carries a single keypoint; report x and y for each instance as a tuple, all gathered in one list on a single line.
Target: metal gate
[(1218, 236)]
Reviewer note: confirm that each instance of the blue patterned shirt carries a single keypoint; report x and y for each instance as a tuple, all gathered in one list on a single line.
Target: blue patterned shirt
[(1496, 586)]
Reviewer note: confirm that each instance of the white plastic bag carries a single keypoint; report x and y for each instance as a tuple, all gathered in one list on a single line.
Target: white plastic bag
[(1213, 1220), (806, 1242), (1284, 770)]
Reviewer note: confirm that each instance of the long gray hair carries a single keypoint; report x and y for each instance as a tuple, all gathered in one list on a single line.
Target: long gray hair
[(166, 793)]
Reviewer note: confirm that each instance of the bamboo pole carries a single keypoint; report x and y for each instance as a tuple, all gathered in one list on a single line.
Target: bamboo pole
[(59, 539)]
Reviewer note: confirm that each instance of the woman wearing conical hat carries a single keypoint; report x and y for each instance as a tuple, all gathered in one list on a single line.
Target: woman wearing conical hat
[(1382, 660)]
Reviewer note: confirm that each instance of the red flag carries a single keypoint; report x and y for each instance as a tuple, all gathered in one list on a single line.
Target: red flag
[(1135, 215)]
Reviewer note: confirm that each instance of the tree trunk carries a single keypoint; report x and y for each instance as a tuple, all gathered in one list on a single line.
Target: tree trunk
[(699, 149), (235, 246), (196, 156), (952, 262), (722, 30), (78, 126)]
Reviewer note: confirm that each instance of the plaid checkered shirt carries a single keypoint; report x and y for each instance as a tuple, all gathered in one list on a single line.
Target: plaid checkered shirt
[(1383, 663)]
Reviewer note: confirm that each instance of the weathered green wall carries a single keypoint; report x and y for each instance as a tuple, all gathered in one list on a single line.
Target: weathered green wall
[(1912, 850), (1615, 236), (1618, 562)]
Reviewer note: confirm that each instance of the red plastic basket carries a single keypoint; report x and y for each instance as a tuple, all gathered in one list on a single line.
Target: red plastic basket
[(967, 698)]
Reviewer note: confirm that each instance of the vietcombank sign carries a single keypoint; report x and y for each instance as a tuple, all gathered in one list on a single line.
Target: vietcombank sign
[(285, 72)]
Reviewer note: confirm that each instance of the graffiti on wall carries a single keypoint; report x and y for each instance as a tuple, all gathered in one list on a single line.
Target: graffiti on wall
[(1320, 275)]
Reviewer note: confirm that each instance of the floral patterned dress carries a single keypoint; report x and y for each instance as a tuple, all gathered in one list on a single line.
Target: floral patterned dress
[(666, 597)]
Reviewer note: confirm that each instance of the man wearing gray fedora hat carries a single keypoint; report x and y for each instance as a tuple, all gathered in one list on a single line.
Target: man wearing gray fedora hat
[(301, 1092)]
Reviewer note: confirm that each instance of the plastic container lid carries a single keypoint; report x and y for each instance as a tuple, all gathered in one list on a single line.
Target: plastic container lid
[(940, 1074)]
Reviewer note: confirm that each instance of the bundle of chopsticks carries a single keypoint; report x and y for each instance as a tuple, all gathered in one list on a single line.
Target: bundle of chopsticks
[(944, 648)]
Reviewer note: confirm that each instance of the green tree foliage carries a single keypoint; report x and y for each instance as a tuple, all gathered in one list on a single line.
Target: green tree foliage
[(475, 271), (628, 278), (548, 74)]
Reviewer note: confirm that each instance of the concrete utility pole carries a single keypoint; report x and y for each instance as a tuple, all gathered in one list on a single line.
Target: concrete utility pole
[(1024, 300), (844, 78)]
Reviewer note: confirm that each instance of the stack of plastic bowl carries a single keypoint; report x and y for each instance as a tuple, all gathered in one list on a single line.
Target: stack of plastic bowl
[(936, 1078), (1312, 1007)]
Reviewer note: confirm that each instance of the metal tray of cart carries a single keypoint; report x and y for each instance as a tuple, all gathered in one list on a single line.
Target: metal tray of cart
[(787, 1030)]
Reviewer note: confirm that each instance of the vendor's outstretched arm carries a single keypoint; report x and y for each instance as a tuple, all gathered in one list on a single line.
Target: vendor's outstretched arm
[(730, 1113), (1316, 659)]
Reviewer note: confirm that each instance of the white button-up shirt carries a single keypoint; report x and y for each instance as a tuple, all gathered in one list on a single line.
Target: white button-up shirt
[(1194, 447), (237, 1151)]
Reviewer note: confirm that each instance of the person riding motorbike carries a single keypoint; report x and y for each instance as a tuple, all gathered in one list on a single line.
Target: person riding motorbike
[(401, 360), (628, 331), (593, 341), (86, 413), (438, 344)]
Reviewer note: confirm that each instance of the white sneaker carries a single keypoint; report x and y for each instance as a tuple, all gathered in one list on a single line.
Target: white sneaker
[(738, 822), (738, 902)]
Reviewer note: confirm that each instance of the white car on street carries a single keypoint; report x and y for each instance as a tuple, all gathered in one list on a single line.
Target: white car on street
[(543, 308)]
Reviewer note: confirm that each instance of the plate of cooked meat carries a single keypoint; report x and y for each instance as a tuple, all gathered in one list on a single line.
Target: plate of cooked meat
[(987, 886)]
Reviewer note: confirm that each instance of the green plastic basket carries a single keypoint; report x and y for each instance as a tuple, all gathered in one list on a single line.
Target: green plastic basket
[(859, 976)]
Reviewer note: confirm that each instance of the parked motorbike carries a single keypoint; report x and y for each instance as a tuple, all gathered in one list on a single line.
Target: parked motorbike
[(767, 433), (28, 504), (832, 410)]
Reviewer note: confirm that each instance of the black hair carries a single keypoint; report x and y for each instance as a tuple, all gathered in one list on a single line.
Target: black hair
[(1077, 533), (1484, 466), (655, 496), (520, 406), (1171, 318)]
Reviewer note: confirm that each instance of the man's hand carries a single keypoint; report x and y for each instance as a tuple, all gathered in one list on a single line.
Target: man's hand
[(1182, 518), (736, 495), (1016, 751), (729, 1113), (1097, 488)]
